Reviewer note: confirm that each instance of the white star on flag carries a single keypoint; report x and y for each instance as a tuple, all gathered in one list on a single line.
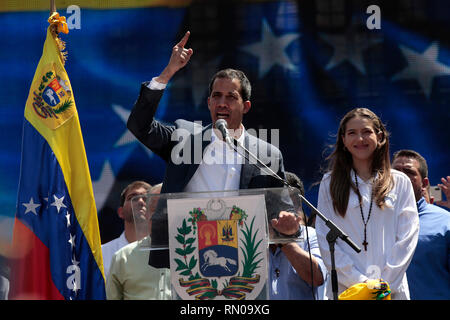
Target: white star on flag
[(271, 50), (58, 203), (68, 219), (74, 261), (31, 206), (72, 241), (423, 67)]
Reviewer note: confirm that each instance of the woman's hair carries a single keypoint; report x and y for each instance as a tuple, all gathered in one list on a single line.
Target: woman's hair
[(340, 163)]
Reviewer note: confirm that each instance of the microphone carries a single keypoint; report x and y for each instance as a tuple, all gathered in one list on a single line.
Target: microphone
[(222, 126)]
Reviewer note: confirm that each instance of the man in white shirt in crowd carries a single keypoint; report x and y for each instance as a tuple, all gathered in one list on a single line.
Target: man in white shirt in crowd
[(130, 276), (125, 212)]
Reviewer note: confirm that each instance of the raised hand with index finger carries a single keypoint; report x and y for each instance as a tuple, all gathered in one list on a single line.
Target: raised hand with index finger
[(179, 58)]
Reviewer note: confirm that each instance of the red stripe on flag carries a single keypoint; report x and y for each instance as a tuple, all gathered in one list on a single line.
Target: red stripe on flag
[(30, 268)]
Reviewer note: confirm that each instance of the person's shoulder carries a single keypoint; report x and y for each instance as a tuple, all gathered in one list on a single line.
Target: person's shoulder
[(326, 177), (126, 250), (190, 126), (438, 210), (400, 178), (324, 185), (398, 175), (116, 243), (110, 244), (434, 215), (263, 144)]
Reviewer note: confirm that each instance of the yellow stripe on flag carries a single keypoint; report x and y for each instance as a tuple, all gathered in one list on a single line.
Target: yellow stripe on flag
[(51, 109)]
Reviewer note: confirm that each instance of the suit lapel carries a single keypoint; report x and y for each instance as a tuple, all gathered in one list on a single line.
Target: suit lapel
[(248, 171), (205, 137)]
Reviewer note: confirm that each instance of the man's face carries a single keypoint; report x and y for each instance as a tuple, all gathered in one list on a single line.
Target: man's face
[(410, 167), (139, 204), (225, 102)]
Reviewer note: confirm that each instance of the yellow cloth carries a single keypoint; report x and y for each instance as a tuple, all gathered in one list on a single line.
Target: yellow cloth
[(59, 124), (59, 21), (376, 289)]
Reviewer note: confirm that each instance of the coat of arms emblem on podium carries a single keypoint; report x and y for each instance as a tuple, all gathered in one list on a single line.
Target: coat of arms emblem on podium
[(218, 250)]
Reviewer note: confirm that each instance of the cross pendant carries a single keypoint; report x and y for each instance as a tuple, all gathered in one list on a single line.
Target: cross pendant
[(365, 243)]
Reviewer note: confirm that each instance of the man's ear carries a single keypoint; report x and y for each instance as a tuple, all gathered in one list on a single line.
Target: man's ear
[(120, 212), (425, 182), (247, 106)]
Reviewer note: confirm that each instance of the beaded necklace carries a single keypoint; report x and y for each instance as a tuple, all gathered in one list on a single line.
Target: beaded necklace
[(365, 243)]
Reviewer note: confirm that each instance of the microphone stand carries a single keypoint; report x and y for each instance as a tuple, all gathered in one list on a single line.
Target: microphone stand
[(334, 232)]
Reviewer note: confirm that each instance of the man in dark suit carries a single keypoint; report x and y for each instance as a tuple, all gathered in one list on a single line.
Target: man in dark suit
[(185, 146)]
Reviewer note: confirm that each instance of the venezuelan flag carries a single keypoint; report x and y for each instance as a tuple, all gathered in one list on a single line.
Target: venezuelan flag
[(56, 236)]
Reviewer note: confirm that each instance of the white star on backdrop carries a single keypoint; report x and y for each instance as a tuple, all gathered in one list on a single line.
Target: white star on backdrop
[(31, 206), (423, 67), (349, 47), (103, 185), (127, 137), (271, 50), (58, 203), (198, 81)]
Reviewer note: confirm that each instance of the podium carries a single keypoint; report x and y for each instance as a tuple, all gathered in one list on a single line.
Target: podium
[(215, 243)]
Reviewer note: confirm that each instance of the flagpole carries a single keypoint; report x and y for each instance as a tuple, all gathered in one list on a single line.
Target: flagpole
[(52, 6), (53, 28)]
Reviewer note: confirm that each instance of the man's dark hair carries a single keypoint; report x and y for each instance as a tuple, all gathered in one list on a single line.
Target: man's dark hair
[(133, 185), (423, 167), (295, 181), (246, 88)]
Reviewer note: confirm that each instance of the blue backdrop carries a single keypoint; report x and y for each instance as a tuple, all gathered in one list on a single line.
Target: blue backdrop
[(309, 63)]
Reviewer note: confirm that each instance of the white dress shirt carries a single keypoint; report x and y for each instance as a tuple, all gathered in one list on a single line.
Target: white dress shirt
[(392, 235), (220, 169), (109, 248)]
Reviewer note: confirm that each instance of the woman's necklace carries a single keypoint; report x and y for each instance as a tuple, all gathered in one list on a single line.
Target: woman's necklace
[(365, 243)]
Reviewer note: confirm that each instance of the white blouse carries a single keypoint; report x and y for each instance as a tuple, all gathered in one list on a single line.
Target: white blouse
[(392, 235)]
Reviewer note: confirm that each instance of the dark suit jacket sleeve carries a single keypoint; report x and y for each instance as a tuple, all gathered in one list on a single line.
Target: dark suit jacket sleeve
[(158, 138), (153, 134)]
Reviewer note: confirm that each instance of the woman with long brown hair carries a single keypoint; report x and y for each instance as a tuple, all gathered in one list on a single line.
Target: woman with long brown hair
[(372, 203)]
